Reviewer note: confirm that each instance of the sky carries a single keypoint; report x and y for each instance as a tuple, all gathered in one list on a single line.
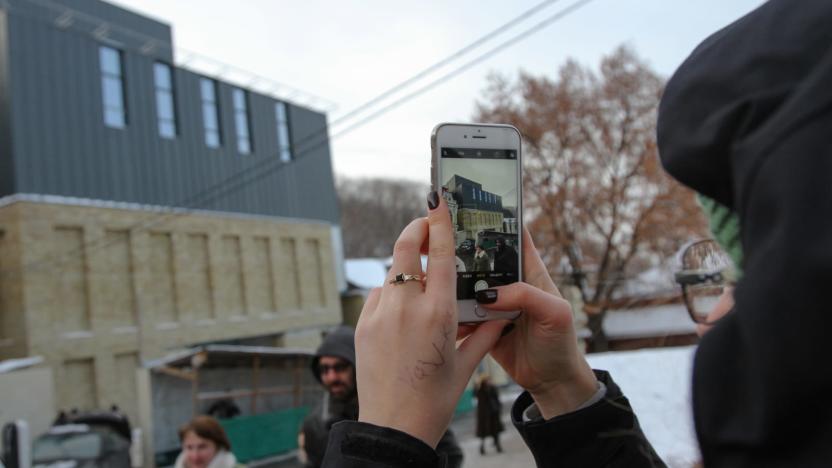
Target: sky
[(349, 52), (497, 176)]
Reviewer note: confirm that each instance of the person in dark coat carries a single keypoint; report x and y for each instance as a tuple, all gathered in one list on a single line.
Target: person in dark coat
[(334, 367), (505, 257), (489, 413), (745, 122)]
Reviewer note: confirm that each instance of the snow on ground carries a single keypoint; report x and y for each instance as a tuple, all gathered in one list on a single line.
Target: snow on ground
[(657, 383)]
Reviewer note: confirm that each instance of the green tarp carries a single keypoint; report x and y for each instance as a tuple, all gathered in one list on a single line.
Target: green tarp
[(264, 435)]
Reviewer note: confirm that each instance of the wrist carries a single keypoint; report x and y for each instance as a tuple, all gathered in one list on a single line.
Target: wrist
[(425, 432), (557, 398)]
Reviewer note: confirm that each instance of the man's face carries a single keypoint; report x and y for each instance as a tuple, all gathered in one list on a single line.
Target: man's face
[(337, 376)]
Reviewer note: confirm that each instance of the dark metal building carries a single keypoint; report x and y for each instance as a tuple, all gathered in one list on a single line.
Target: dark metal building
[(470, 195), (92, 107)]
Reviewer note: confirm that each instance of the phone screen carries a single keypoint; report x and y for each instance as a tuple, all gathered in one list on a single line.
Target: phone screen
[(481, 188)]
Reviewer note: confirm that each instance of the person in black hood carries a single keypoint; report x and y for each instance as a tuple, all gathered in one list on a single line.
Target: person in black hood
[(334, 367)]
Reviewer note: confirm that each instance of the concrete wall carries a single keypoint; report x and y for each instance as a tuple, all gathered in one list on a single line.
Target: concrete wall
[(28, 394), (97, 294)]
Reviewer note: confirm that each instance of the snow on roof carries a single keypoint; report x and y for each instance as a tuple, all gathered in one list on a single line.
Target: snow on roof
[(367, 273), (657, 382), (13, 364), (660, 320), (221, 353)]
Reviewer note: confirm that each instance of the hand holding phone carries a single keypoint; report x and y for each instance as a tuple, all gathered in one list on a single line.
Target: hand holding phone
[(476, 168)]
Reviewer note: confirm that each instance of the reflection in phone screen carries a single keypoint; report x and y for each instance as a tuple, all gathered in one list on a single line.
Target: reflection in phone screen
[(481, 188)]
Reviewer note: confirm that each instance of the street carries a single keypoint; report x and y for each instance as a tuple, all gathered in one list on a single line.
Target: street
[(515, 453)]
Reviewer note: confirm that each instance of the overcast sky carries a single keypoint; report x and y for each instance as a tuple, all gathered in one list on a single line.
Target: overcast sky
[(348, 52)]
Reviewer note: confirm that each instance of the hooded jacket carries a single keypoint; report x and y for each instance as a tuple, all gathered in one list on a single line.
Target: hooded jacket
[(318, 423), (746, 121)]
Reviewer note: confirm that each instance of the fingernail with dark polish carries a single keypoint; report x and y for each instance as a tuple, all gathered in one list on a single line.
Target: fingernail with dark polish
[(433, 200), (487, 296), (507, 329)]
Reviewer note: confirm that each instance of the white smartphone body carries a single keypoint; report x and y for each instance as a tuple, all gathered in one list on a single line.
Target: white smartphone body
[(476, 168)]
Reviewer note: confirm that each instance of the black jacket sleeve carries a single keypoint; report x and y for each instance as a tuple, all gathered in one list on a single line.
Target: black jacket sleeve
[(355, 444), (605, 434)]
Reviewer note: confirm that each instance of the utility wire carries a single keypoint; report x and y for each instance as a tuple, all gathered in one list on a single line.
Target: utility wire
[(451, 58), (277, 165)]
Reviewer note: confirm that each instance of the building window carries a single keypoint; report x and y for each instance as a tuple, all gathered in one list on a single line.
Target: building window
[(210, 113), (241, 120), (165, 106), (112, 87), (284, 144)]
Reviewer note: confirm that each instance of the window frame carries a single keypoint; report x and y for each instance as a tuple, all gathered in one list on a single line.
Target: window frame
[(109, 76), (216, 110), (243, 110), (284, 148), (173, 120)]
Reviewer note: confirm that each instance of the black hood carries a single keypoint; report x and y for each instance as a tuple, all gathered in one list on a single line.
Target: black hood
[(743, 86), (339, 343)]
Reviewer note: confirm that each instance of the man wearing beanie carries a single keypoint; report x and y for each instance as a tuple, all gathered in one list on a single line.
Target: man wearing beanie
[(334, 367)]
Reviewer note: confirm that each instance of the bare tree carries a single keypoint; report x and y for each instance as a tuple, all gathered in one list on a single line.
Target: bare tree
[(374, 211), (598, 203)]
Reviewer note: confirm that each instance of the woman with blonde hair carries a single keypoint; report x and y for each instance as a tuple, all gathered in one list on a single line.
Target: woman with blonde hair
[(205, 445)]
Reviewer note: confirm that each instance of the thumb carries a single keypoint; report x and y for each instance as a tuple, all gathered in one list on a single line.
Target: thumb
[(538, 306)]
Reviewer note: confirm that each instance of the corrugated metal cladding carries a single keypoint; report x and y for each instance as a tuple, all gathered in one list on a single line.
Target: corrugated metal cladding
[(61, 146)]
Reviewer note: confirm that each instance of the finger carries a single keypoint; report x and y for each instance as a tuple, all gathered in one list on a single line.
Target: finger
[(406, 257), (537, 305), (477, 345), (372, 300), (464, 330), (425, 249), (441, 252), (370, 305), (534, 270)]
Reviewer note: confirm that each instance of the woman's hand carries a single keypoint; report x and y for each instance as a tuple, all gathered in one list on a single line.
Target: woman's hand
[(410, 372), (541, 354)]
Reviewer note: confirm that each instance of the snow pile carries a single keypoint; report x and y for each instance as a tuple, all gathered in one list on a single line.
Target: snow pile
[(657, 383), (649, 321), (365, 273)]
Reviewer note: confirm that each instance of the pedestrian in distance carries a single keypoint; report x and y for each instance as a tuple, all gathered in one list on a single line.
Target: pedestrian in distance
[(489, 413), (505, 257), (482, 263)]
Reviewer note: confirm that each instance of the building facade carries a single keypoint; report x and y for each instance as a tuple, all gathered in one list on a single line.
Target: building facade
[(476, 209), (145, 207)]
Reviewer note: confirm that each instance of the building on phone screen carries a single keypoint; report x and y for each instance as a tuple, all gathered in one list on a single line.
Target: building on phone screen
[(477, 209)]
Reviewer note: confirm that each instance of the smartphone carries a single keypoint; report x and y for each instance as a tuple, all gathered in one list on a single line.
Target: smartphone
[(476, 168)]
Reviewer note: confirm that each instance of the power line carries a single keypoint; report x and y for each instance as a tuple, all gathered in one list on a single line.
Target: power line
[(278, 165), (454, 56)]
